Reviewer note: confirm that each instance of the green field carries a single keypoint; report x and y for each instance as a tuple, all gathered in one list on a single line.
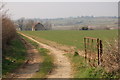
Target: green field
[(74, 38)]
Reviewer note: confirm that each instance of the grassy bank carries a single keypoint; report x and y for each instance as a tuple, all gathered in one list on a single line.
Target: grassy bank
[(83, 70), (47, 64), (13, 56)]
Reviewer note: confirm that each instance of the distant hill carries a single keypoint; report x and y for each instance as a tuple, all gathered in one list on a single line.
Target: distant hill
[(75, 23)]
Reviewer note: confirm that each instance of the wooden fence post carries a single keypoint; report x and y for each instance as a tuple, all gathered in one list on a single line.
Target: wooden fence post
[(101, 51), (85, 49), (98, 51), (89, 49)]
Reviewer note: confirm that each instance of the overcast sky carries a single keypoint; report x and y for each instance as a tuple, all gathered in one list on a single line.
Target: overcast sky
[(61, 9), (60, 0)]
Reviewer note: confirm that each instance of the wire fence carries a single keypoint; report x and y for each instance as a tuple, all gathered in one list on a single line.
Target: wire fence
[(93, 50)]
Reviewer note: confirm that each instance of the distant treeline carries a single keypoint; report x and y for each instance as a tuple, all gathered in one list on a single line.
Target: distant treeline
[(27, 24), (71, 23)]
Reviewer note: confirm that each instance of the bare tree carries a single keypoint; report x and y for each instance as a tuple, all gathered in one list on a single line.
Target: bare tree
[(28, 25), (20, 23), (48, 25), (3, 11)]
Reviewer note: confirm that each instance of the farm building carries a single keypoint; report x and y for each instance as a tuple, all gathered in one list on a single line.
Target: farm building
[(38, 27)]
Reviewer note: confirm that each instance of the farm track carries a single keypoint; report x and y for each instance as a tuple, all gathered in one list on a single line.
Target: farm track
[(31, 65), (61, 62)]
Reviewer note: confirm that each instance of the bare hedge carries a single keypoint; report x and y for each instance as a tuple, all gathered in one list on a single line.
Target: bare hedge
[(8, 31), (111, 57)]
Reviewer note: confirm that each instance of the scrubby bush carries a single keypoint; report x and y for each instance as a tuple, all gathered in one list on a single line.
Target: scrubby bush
[(85, 28), (8, 28), (111, 58)]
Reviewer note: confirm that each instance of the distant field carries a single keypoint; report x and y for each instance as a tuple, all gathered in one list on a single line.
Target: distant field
[(74, 38)]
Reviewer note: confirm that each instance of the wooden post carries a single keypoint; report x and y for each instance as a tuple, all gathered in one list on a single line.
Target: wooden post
[(98, 51), (89, 48), (101, 51), (85, 48), (93, 46)]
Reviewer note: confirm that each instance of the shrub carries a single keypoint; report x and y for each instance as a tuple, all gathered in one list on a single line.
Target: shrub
[(8, 28), (84, 28), (8, 31), (111, 58)]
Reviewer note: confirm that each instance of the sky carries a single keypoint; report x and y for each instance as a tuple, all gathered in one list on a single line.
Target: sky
[(60, 0), (61, 9)]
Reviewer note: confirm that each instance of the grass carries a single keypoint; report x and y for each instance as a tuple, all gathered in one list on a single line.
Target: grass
[(47, 65), (83, 70), (14, 56), (30, 41), (73, 38)]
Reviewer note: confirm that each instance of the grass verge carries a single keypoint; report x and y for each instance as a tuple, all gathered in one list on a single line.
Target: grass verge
[(83, 70), (47, 64), (13, 56)]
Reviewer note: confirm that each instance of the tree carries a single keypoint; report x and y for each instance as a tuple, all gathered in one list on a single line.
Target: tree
[(20, 23), (28, 25), (47, 25), (8, 27), (85, 28)]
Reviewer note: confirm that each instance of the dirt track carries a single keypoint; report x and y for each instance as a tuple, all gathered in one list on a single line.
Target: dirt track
[(63, 66), (31, 65)]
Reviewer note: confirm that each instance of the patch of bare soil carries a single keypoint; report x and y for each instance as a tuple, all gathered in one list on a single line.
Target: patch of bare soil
[(31, 65), (62, 63)]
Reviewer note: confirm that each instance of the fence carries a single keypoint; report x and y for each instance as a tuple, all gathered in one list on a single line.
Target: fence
[(93, 50)]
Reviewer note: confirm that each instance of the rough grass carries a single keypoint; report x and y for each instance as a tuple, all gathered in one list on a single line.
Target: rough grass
[(14, 56), (47, 64), (83, 70), (30, 41), (73, 38)]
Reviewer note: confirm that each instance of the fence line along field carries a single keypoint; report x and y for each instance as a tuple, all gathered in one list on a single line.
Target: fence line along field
[(74, 38)]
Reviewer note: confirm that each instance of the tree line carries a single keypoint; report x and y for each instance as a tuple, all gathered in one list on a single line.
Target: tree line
[(27, 24)]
